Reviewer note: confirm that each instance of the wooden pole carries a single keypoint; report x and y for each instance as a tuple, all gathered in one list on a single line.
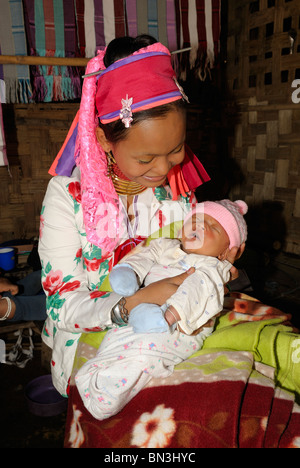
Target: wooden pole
[(55, 61), (36, 60)]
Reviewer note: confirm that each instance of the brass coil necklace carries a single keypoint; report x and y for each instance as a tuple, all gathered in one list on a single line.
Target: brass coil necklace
[(123, 186)]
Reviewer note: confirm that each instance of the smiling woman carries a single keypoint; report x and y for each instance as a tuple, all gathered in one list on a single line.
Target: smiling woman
[(132, 169), (123, 171), (150, 148)]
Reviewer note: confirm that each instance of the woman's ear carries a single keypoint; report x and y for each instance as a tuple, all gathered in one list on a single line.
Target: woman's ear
[(101, 138)]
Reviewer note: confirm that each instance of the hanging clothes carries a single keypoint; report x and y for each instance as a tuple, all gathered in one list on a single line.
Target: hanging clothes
[(51, 32), (15, 84)]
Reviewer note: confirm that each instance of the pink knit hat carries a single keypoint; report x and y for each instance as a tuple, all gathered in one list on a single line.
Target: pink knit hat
[(230, 215)]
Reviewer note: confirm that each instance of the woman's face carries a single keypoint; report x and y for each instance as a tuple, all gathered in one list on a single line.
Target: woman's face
[(151, 148)]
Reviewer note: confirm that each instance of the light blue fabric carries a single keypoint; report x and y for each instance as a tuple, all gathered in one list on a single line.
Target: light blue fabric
[(123, 280), (148, 318)]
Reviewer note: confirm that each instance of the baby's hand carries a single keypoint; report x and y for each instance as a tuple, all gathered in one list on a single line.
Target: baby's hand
[(123, 280), (171, 315)]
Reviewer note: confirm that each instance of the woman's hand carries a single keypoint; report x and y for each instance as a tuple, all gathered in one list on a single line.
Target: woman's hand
[(158, 292), (234, 254), (6, 285)]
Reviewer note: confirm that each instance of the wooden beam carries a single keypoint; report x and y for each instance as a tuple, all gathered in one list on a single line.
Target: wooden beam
[(54, 61), (36, 60)]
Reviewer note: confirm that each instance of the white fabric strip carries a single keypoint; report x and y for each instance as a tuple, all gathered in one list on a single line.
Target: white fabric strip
[(3, 156), (89, 28), (192, 19), (109, 23), (2, 92), (209, 33)]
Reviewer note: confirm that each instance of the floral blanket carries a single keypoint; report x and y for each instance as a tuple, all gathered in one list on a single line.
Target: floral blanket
[(242, 390)]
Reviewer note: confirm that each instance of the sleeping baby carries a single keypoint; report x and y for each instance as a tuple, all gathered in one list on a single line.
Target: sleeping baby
[(156, 338)]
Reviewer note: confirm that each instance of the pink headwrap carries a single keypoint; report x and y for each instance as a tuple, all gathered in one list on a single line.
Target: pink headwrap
[(109, 89)]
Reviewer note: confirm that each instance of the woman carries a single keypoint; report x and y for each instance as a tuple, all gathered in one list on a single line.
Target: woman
[(133, 175), (23, 299)]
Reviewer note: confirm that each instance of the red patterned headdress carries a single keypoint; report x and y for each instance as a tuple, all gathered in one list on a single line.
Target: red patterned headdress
[(141, 81)]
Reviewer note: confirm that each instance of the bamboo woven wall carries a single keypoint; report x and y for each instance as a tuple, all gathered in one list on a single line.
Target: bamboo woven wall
[(262, 66), (34, 134)]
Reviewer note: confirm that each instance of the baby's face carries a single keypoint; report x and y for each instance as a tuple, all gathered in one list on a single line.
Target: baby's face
[(204, 235)]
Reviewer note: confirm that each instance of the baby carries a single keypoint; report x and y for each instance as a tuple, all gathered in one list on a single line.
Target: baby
[(130, 356)]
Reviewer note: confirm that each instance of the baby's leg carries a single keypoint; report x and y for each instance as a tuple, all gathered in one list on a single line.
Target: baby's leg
[(124, 364)]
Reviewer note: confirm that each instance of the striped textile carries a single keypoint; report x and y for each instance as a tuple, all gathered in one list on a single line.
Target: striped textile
[(154, 17), (98, 22), (120, 20), (131, 10), (200, 29), (16, 85), (2, 84), (3, 156), (71, 28), (79, 15), (171, 25), (51, 31), (174, 23)]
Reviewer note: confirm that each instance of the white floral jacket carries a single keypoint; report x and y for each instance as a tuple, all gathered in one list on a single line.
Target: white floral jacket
[(73, 270)]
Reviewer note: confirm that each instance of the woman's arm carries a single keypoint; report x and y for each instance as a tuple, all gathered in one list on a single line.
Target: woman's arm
[(71, 303), (158, 292)]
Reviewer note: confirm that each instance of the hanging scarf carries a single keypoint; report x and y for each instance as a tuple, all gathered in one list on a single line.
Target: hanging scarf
[(16, 80), (199, 28), (98, 22), (51, 32)]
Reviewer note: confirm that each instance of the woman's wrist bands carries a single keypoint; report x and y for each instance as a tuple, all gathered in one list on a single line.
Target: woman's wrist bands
[(7, 314), (119, 313)]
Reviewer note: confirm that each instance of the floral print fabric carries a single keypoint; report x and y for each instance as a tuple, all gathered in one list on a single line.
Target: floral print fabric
[(73, 269)]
